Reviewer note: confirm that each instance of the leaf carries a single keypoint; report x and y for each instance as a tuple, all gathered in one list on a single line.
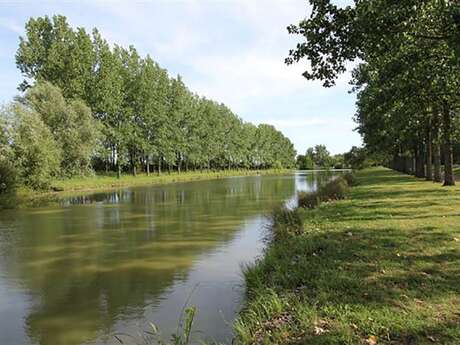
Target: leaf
[(372, 340), (319, 330), (154, 328)]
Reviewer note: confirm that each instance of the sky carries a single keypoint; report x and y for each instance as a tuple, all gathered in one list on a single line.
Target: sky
[(232, 51)]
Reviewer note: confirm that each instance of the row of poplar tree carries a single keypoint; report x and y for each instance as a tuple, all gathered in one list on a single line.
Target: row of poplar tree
[(407, 75), (145, 119)]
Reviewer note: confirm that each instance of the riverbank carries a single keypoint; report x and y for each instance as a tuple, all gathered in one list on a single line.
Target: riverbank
[(77, 185), (381, 267)]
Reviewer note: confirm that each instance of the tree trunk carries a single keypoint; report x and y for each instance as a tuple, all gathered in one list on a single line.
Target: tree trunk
[(437, 177), (118, 169), (408, 165), (419, 163), (159, 166), (147, 162), (429, 154), (448, 151), (133, 164)]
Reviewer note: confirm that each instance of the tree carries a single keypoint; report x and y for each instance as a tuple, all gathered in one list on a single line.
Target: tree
[(8, 171), (106, 101), (36, 153), (356, 158), (409, 75), (146, 117), (72, 125), (322, 157), (52, 51)]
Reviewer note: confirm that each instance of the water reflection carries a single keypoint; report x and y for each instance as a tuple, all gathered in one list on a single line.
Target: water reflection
[(113, 261)]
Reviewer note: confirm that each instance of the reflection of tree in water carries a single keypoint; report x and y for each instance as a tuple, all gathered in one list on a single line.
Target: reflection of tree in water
[(89, 264)]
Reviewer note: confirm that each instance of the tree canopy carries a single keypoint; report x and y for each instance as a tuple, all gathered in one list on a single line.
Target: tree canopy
[(406, 77), (108, 108)]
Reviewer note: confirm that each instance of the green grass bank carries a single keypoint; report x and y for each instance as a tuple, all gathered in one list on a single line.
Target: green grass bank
[(79, 185), (381, 267)]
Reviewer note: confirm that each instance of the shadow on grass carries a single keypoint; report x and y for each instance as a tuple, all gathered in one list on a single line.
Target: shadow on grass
[(398, 286), (370, 267)]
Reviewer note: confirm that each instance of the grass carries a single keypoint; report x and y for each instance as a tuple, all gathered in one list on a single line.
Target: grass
[(77, 185), (336, 189), (111, 181), (381, 267)]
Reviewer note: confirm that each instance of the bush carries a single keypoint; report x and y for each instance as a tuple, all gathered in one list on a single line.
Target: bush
[(37, 154), (308, 200), (286, 222), (336, 189), (7, 183), (350, 178)]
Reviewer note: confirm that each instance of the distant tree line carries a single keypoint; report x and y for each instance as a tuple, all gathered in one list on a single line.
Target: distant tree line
[(89, 106), (319, 157), (407, 80)]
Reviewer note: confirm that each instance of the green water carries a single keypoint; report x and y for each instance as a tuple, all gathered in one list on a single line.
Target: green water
[(100, 264)]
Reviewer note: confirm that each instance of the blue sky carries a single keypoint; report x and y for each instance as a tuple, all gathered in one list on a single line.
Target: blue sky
[(229, 50)]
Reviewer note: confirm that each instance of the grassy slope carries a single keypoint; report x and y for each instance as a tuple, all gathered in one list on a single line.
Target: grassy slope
[(380, 268), (106, 182)]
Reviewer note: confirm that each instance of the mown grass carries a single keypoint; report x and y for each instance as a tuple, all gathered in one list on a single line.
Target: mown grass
[(77, 185), (381, 267)]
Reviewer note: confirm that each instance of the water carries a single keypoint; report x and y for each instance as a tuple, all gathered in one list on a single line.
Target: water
[(109, 263)]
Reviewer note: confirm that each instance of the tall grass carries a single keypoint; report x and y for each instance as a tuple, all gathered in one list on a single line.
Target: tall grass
[(337, 189)]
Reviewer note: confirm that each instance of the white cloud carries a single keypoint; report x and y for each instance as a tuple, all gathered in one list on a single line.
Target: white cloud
[(11, 25), (230, 50)]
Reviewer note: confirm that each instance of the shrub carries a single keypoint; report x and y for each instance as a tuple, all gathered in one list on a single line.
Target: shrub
[(308, 200), (286, 222), (7, 183), (350, 178), (336, 189), (38, 156)]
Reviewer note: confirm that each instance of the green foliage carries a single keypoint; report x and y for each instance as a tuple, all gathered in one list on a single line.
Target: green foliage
[(74, 129), (305, 162), (8, 182), (285, 222), (44, 137), (317, 157), (54, 52), (350, 178), (322, 157), (379, 267), (338, 161), (148, 119), (406, 80), (336, 189), (308, 199), (357, 158), (8, 173), (37, 155)]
